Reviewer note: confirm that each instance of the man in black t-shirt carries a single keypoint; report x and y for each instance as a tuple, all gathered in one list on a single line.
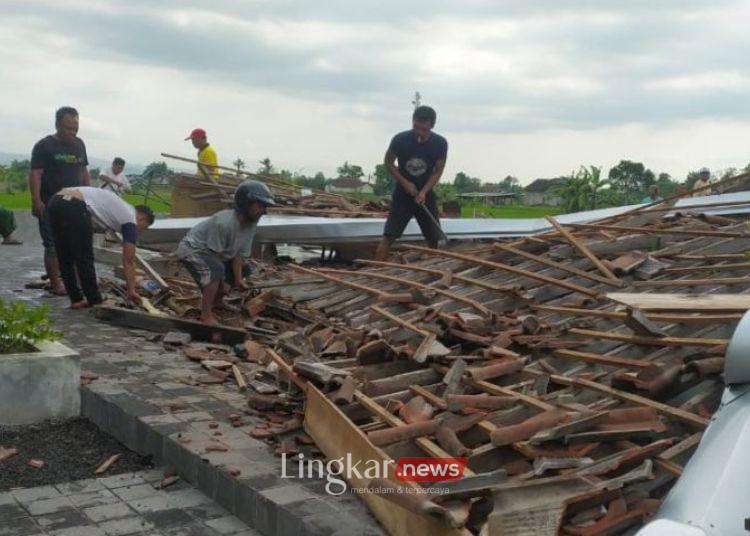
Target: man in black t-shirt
[(421, 156), (57, 161)]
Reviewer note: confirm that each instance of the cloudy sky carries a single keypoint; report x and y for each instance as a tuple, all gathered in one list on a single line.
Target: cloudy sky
[(527, 88)]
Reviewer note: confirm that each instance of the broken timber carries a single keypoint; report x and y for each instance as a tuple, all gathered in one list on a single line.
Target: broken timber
[(560, 266), (653, 341), (405, 282), (659, 317), (676, 413), (163, 324), (660, 230), (583, 249), (322, 416), (506, 267), (683, 302)]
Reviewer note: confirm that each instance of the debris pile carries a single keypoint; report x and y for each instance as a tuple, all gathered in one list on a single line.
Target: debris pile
[(193, 195), (574, 370)]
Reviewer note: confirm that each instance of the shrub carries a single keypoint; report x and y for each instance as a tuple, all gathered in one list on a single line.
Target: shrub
[(21, 326)]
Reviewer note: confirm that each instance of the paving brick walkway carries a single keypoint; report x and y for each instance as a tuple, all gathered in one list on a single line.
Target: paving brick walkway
[(142, 397), (119, 505)]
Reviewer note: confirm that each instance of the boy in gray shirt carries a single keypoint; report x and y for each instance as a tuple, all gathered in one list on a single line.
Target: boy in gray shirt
[(213, 251)]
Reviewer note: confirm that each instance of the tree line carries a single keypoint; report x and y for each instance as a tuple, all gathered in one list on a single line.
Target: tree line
[(626, 183), (588, 188)]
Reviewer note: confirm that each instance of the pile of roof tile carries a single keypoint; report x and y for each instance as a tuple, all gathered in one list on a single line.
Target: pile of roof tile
[(574, 370)]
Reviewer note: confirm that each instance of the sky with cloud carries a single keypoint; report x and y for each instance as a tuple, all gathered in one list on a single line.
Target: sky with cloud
[(531, 89)]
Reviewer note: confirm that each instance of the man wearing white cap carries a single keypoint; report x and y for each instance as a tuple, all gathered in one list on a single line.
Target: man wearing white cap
[(704, 179)]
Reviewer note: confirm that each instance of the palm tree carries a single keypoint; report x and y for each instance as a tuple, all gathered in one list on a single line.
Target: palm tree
[(265, 166), (239, 164), (593, 176), (582, 190), (573, 192)]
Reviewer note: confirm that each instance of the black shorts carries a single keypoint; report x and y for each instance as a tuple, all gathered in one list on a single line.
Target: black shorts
[(404, 208)]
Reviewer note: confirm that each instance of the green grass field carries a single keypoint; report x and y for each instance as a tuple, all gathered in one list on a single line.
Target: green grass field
[(22, 200), (507, 211)]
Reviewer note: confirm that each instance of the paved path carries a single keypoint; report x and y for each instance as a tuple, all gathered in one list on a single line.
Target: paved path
[(118, 505), (135, 397)]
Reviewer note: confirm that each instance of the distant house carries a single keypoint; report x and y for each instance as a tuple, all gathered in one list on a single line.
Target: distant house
[(349, 185), (540, 192)]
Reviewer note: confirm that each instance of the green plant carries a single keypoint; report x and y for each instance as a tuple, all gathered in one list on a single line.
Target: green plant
[(21, 326)]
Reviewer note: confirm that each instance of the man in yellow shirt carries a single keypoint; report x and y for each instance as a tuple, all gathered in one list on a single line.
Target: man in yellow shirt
[(206, 154)]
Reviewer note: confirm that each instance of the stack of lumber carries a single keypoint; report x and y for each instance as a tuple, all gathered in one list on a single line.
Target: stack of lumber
[(201, 195)]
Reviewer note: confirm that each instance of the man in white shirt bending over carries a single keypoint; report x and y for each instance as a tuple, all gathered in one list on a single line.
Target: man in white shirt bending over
[(114, 179), (71, 212)]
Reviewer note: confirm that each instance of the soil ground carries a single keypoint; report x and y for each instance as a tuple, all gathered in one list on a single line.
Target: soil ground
[(71, 449)]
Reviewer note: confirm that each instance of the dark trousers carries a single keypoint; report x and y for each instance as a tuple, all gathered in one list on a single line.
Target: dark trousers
[(73, 235)]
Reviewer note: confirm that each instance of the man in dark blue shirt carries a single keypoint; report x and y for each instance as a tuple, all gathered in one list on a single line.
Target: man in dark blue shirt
[(57, 161), (421, 156)]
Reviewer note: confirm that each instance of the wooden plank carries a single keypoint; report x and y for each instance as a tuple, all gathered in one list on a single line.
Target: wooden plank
[(660, 230), (162, 324), (146, 267), (710, 268), (681, 447), (505, 267), (286, 368), (652, 341), (493, 389), (413, 284), (559, 266), (716, 257), (239, 377), (693, 282), (277, 183), (439, 273), (150, 309), (581, 247), (109, 462), (153, 274), (7, 453), (400, 321), (683, 302), (669, 411), (610, 361), (322, 417), (618, 315), (339, 281)]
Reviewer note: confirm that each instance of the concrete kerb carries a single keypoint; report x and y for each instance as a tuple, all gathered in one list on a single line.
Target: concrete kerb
[(258, 495), (39, 385)]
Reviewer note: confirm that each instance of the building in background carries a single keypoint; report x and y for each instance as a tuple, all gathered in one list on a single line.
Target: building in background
[(542, 192), (349, 185)]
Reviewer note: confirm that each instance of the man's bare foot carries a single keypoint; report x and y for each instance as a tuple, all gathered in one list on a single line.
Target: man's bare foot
[(83, 304), (209, 319), (58, 290), (222, 306)]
